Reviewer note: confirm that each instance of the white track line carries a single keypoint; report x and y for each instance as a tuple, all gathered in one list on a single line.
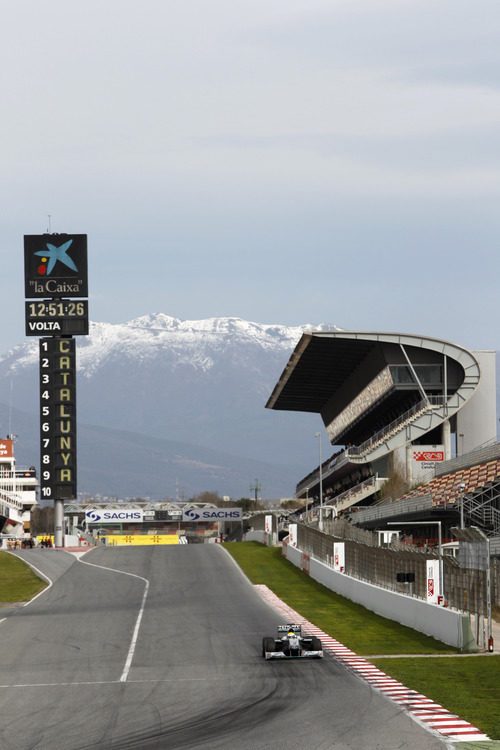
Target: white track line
[(116, 682), (135, 634), (424, 711)]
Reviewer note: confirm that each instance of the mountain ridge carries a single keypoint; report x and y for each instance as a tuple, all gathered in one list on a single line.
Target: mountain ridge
[(200, 383)]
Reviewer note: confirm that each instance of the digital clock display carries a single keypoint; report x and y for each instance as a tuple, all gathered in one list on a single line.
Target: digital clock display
[(59, 317)]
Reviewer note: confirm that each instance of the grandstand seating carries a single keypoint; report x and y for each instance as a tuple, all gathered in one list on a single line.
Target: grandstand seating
[(387, 431), (445, 488)]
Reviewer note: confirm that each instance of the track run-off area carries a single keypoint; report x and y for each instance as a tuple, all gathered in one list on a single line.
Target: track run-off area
[(160, 647)]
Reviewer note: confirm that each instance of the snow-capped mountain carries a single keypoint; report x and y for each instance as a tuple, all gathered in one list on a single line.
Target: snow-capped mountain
[(199, 383), (187, 341)]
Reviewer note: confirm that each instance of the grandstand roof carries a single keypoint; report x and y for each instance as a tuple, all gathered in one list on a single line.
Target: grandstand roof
[(323, 361), (317, 368)]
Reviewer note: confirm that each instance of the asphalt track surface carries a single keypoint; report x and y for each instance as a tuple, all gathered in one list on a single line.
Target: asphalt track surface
[(169, 656)]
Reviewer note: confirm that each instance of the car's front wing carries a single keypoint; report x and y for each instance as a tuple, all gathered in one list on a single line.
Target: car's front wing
[(302, 655)]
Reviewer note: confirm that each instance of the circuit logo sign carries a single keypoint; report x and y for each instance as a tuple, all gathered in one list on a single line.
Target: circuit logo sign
[(129, 515), (210, 515), (428, 455)]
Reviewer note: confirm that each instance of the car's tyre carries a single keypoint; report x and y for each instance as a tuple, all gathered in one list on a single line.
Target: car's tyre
[(316, 644), (267, 645)]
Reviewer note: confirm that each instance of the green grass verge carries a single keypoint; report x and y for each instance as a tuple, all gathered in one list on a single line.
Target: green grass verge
[(351, 624), (18, 582), (466, 685)]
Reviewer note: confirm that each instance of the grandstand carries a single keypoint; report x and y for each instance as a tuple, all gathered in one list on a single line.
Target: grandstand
[(17, 493), (396, 407), (446, 487)]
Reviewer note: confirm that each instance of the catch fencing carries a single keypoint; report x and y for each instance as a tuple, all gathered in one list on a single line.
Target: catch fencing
[(366, 560), (464, 588)]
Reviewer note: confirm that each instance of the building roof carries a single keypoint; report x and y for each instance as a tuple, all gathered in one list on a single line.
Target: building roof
[(323, 361)]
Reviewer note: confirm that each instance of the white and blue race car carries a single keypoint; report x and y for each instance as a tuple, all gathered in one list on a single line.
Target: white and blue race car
[(291, 644)]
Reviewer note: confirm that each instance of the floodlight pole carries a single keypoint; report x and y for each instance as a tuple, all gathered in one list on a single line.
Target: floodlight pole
[(461, 488), (488, 596), (320, 525)]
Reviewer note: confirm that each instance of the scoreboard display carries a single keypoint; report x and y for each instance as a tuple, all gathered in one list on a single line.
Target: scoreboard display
[(57, 418), (55, 283), (59, 317)]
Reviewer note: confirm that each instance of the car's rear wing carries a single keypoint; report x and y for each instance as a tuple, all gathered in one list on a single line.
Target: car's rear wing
[(287, 628)]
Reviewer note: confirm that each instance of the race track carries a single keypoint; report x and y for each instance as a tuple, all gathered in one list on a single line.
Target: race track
[(168, 657)]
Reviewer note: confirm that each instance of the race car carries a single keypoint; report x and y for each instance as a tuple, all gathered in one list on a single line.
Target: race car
[(291, 644)]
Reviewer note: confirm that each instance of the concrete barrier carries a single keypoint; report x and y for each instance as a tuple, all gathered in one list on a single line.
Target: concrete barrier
[(255, 536), (446, 625)]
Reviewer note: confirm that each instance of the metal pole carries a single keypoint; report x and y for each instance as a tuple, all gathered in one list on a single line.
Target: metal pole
[(461, 487), (488, 595), (58, 523), (318, 435), (440, 547)]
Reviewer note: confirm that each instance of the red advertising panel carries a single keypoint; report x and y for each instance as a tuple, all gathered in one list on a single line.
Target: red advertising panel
[(428, 455), (6, 448)]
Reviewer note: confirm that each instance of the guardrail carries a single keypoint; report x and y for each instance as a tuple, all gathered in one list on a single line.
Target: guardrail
[(396, 508), (431, 402), (481, 455), (355, 451)]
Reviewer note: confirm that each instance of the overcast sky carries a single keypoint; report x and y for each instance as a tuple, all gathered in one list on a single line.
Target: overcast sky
[(282, 161)]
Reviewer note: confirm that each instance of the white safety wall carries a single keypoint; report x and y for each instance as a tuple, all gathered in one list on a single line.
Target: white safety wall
[(446, 625)]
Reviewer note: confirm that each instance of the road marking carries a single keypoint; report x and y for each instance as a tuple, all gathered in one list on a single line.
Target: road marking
[(135, 634), (117, 682), (133, 642), (424, 711)]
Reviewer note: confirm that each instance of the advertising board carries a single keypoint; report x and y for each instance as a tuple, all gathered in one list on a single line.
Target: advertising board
[(433, 582), (211, 515), (425, 458), (114, 515), (55, 265), (6, 450), (339, 556)]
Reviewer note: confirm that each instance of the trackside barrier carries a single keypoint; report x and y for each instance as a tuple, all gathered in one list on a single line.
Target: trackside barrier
[(255, 536), (446, 625), (261, 536), (140, 539)]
